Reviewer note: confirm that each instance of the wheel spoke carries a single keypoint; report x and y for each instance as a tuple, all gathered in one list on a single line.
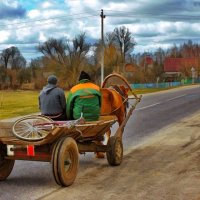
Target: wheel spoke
[(31, 128)]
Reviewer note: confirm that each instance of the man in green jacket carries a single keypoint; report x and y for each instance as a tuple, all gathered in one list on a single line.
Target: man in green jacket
[(85, 97)]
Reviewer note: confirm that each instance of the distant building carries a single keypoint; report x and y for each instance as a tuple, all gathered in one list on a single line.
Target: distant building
[(129, 69), (174, 67), (148, 60)]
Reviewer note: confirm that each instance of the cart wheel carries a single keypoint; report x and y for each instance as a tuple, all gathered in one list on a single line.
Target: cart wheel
[(115, 151), (54, 160), (6, 165), (32, 128), (65, 161)]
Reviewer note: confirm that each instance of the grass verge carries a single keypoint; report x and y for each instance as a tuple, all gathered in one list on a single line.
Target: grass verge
[(18, 103), (150, 90)]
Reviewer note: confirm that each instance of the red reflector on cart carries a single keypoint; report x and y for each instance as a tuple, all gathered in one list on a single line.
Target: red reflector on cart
[(30, 150)]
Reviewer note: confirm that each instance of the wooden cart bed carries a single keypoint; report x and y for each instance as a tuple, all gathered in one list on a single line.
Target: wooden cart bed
[(92, 129)]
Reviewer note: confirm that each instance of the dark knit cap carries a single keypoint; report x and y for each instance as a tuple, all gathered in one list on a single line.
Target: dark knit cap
[(84, 75), (52, 79)]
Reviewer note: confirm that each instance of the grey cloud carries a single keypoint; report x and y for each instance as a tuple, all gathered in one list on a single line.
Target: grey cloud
[(122, 21), (164, 6), (177, 41), (147, 34), (104, 2), (31, 39), (147, 12), (179, 10), (167, 10), (10, 12), (196, 3)]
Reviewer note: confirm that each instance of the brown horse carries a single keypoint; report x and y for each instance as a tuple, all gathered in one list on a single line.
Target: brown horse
[(113, 102)]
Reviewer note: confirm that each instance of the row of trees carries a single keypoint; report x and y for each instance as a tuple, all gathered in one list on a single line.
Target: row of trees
[(66, 58)]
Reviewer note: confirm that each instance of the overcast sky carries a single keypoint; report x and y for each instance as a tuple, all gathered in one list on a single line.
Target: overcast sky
[(153, 23)]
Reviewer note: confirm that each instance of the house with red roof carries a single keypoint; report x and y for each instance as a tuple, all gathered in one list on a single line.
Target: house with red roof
[(148, 60), (174, 67)]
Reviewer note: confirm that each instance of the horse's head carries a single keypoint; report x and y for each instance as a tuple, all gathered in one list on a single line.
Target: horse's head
[(123, 91)]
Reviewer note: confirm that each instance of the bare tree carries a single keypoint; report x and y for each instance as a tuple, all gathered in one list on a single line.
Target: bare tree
[(112, 57), (77, 50), (12, 58), (70, 54), (160, 56), (54, 49), (110, 38), (124, 40), (5, 55), (12, 61)]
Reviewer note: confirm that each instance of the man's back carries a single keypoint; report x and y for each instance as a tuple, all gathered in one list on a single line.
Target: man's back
[(52, 100), (85, 98)]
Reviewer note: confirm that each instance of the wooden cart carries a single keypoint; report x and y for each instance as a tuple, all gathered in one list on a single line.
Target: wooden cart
[(61, 143)]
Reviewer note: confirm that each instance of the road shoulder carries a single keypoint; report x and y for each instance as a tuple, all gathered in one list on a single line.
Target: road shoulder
[(164, 166)]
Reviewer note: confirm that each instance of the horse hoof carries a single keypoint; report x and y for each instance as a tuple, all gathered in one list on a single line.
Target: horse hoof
[(100, 155)]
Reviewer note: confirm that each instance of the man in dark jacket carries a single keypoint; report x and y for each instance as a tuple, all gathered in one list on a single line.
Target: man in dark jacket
[(52, 101), (85, 97)]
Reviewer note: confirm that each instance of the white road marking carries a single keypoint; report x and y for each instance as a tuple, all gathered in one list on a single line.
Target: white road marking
[(142, 108), (155, 104), (175, 97)]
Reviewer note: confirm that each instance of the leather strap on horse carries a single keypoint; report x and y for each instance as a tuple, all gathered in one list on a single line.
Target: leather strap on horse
[(116, 108), (117, 89)]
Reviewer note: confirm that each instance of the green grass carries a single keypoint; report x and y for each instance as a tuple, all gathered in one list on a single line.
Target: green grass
[(17, 103), (149, 90)]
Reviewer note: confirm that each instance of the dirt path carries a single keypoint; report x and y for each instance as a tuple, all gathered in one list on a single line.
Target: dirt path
[(165, 167)]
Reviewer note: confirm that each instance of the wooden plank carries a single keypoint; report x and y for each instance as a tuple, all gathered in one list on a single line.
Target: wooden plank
[(6, 128)]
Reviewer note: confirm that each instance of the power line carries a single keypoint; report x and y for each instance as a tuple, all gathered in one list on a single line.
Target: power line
[(167, 17), (46, 19), (149, 14), (113, 13), (48, 23)]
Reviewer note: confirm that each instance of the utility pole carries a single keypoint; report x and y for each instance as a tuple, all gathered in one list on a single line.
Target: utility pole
[(102, 46)]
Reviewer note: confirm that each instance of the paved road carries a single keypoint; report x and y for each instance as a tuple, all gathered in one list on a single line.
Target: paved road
[(33, 180), (161, 109)]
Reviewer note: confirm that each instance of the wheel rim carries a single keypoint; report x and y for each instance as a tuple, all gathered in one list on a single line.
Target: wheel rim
[(65, 161), (32, 128)]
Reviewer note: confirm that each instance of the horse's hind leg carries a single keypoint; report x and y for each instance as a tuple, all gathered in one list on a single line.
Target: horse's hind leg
[(108, 133), (107, 137), (99, 154)]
